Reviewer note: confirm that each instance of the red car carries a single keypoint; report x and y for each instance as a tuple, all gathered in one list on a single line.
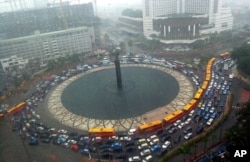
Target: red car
[(74, 147)]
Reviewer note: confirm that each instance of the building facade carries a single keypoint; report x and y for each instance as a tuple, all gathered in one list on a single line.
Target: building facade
[(131, 25), (47, 46), (185, 19)]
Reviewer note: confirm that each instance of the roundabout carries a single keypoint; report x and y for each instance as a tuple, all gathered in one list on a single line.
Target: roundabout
[(88, 100)]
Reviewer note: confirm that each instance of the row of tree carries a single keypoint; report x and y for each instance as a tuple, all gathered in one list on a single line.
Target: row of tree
[(242, 56)]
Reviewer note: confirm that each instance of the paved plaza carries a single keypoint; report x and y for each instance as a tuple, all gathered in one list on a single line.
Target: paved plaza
[(64, 116)]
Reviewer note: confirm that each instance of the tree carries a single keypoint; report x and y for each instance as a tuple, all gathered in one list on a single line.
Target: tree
[(195, 148), (242, 57), (238, 135), (205, 143), (184, 149), (213, 137)]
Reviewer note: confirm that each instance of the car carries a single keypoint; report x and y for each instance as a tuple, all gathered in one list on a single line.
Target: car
[(85, 151), (151, 138), (181, 125), (65, 144), (177, 122), (199, 130), (61, 140), (165, 138), (116, 145), (207, 116), (132, 131), (97, 140), (212, 110), (166, 144), (145, 152), (62, 131), (125, 138), (198, 119), (45, 140), (155, 148), (154, 141), (210, 121), (177, 139), (121, 156), (71, 141), (104, 146), (130, 144), (107, 155), (134, 158), (143, 146), (162, 152), (130, 149), (188, 136), (187, 130), (214, 115), (188, 121), (172, 130), (148, 158), (33, 141), (191, 113), (74, 147), (142, 140)]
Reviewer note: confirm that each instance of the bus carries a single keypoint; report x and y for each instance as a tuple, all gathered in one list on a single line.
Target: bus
[(149, 127), (101, 132), (1, 116), (199, 94), (16, 109), (171, 118), (191, 105), (204, 85), (225, 54)]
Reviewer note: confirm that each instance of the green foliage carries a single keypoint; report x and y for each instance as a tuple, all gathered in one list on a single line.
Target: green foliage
[(238, 135), (198, 44), (132, 13), (242, 56)]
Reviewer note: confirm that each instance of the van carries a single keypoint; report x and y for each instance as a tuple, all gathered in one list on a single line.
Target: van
[(187, 129)]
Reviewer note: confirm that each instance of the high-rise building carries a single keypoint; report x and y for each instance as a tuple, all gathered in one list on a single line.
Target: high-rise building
[(185, 19)]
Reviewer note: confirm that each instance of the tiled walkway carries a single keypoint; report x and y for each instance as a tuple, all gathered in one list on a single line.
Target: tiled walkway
[(58, 111)]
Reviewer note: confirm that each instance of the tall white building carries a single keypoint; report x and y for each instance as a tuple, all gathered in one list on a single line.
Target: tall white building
[(47, 46), (168, 18)]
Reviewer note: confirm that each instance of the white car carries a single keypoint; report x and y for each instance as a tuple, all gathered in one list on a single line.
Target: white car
[(131, 131), (177, 122), (147, 158), (154, 141), (166, 144), (212, 110), (188, 136), (188, 121), (125, 138), (134, 158), (181, 125), (63, 131), (145, 152), (151, 138), (143, 146), (210, 121)]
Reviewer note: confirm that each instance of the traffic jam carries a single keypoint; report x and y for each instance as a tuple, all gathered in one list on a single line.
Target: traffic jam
[(147, 142)]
